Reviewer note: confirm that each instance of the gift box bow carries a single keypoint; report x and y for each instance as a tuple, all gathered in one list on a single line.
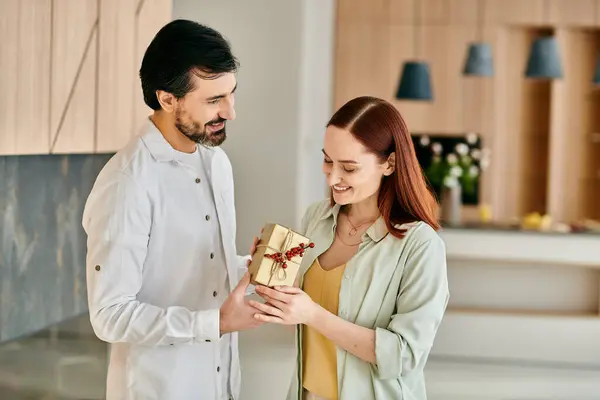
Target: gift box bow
[(284, 255)]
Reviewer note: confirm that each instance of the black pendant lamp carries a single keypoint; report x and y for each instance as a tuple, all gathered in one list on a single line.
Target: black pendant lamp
[(415, 81), (544, 58), (479, 61)]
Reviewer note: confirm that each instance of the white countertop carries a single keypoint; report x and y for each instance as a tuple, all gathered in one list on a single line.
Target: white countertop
[(522, 246)]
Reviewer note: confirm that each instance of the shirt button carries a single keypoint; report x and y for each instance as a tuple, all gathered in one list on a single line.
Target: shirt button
[(212, 255), (214, 294), (218, 369), (346, 277), (97, 268), (207, 340), (198, 180), (207, 217)]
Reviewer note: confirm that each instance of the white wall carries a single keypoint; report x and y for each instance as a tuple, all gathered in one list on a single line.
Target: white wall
[(283, 102)]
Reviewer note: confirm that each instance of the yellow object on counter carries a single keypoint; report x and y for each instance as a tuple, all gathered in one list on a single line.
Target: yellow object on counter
[(485, 213)]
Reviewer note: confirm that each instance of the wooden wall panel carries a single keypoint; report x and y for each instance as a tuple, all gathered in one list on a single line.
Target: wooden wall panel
[(401, 49), (151, 15), (401, 12), (362, 58), (444, 48), (9, 71), (77, 129), (515, 12), (575, 118), (117, 68), (372, 11), (32, 96), (72, 27), (464, 12), (573, 12), (433, 12), (521, 136)]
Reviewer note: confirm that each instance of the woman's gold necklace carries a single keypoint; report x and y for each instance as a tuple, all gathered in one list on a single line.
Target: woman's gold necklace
[(352, 232)]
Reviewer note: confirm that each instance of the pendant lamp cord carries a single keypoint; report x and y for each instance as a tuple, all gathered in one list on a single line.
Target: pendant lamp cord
[(417, 28), (480, 16)]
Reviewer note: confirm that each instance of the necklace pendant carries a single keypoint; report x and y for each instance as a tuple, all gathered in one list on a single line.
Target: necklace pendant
[(352, 232)]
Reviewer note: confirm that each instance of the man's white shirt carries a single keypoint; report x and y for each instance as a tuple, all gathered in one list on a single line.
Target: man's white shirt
[(161, 260)]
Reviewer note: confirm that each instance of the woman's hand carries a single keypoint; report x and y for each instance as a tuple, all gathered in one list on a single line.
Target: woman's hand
[(286, 305)]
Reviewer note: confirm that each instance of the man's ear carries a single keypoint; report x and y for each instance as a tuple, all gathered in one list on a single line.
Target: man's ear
[(167, 100), (390, 165)]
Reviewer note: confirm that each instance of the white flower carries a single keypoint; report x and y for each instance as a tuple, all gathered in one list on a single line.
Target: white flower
[(436, 148), (437, 158), (473, 171), (452, 158), (456, 171), (462, 149), (424, 141), (476, 154), (485, 158), (471, 138), (450, 181), (484, 162)]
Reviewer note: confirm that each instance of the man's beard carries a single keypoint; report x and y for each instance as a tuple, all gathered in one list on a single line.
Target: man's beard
[(200, 135)]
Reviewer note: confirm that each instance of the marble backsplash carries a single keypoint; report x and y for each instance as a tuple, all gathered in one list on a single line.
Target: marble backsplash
[(42, 243)]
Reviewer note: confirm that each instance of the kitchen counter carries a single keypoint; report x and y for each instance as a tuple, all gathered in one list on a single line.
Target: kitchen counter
[(516, 245), (522, 295)]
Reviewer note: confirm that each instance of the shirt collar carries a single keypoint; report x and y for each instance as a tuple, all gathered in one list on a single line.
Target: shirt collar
[(156, 143), (158, 146), (376, 232)]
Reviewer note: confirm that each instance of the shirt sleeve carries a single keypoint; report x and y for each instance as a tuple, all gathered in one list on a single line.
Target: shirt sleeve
[(117, 220), (420, 305), (242, 268)]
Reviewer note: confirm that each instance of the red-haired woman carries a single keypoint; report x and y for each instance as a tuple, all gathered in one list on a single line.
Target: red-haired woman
[(374, 287)]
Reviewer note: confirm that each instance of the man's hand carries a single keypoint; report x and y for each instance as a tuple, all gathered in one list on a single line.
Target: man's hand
[(236, 313), (253, 248)]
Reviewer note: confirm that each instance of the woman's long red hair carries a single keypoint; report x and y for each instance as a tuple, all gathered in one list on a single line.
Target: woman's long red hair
[(403, 196)]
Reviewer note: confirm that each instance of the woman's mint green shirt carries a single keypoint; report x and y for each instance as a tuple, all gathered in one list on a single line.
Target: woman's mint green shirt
[(399, 288)]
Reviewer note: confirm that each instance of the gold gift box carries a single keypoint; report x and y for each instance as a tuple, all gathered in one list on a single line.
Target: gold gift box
[(278, 256)]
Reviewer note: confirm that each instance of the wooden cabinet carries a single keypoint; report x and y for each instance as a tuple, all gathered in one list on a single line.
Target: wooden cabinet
[(25, 27), (73, 76), (70, 77), (126, 31)]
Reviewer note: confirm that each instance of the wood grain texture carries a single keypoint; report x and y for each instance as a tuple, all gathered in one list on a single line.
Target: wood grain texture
[(573, 152), (361, 62), (77, 128), (521, 143), (573, 13), (151, 16), (27, 59), (116, 74), (72, 26), (9, 71), (516, 12)]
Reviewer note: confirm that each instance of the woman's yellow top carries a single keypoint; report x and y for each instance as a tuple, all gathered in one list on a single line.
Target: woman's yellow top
[(319, 353)]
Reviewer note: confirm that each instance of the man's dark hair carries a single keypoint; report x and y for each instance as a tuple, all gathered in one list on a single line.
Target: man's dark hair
[(177, 50)]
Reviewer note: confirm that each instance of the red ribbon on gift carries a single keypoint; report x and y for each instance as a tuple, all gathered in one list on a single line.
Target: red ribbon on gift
[(280, 258)]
